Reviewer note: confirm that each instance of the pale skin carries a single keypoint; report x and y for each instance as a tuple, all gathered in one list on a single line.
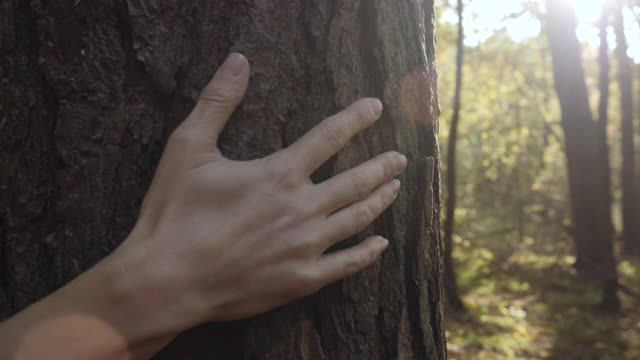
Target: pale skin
[(216, 239)]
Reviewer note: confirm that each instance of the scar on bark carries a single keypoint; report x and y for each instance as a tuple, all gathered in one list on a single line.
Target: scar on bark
[(415, 95), (309, 342)]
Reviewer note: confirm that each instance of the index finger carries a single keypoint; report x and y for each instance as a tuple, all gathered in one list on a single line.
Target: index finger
[(333, 133)]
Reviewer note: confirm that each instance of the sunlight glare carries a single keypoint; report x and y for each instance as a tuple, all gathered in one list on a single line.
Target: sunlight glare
[(588, 11), (483, 18)]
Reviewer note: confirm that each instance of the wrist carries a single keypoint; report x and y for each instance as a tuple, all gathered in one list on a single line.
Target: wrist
[(126, 293), (146, 299), (105, 313), (112, 295), (95, 316)]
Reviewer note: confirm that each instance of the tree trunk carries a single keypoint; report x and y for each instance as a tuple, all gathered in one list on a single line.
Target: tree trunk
[(603, 119), (592, 230), (610, 283), (630, 238), (450, 282), (93, 88)]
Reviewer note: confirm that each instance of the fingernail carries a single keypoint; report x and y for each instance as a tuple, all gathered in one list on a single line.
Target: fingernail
[(377, 107), (234, 64), (401, 163), (384, 243), (395, 185)]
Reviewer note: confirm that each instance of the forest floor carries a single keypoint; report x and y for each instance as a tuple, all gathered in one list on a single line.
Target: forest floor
[(531, 306)]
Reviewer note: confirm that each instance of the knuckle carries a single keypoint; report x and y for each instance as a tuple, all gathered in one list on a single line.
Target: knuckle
[(216, 94), (308, 199), (308, 281), (312, 242), (366, 113), (377, 206), (181, 137), (362, 117), (333, 134), (297, 212), (307, 247), (308, 209), (282, 176), (365, 116), (372, 255), (388, 165), (353, 265), (303, 209), (387, 198), (362, 218), (300, 251), (361, 184)]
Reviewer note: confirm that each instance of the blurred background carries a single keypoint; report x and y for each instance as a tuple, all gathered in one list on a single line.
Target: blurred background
[(540, 119)]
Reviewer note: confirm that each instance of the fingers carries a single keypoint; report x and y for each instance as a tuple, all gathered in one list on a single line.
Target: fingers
[(332, 134), (356, 217), (219, 99), (340, 264), (357, 183)]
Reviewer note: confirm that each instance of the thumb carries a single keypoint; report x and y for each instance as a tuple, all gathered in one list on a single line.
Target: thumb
[(221, 96)]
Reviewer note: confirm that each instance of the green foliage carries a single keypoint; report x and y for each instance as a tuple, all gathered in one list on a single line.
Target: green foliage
[(532, 306), (511, 174), (512, 184), (513, 251)]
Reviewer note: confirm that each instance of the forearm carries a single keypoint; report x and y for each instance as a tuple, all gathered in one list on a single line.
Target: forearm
[(95, 316), (217, 239)]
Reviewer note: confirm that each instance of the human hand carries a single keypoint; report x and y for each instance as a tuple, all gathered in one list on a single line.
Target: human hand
[(217, 239), (222, 240)]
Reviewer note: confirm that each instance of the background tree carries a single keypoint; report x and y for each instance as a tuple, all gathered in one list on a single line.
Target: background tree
[(451, 285), (92, 89), (630, 238), (603, 120), (514, 252), (591, 230)]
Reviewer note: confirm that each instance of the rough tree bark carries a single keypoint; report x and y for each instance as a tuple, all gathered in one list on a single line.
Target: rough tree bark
[(91, 90), (591, 225), (450, 282), (630, 236)]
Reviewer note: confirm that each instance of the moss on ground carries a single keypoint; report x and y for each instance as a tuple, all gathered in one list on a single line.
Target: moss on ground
[(532, 306)]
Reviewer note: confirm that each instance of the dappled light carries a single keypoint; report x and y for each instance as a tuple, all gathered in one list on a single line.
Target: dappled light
[(348, 180), (520, 20), (523, 127), (530, 306), (416, 96)]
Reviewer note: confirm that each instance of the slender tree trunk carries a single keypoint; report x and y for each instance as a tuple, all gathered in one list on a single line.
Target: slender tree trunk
[(610, 299), (577, 122), (637, 114), (451, 284), (603, 109), (592, 230), (630, 238), (91, 89)]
